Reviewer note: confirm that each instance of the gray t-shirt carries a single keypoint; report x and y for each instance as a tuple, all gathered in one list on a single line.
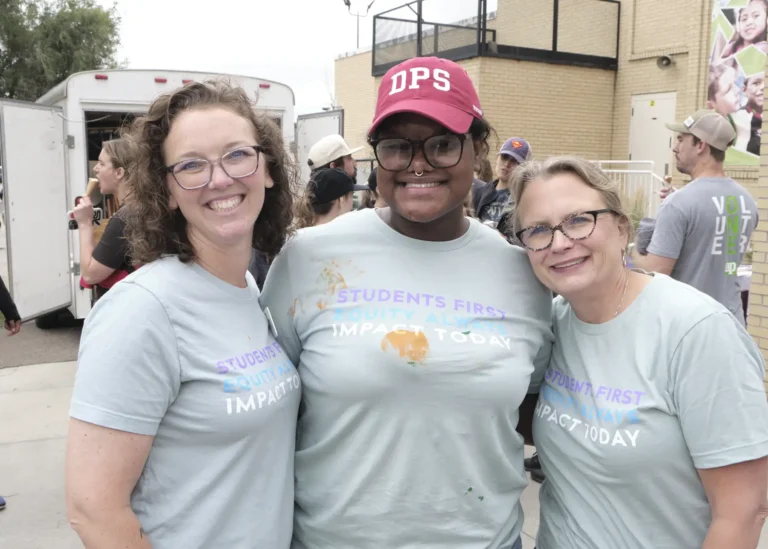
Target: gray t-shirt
[(631, 408), (706, 226), (176, 353), (415, 357)]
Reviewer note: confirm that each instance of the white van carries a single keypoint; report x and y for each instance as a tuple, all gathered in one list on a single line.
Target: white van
[(47, 151)]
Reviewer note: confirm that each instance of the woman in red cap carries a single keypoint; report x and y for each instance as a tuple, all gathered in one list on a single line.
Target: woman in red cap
[(418, 332)]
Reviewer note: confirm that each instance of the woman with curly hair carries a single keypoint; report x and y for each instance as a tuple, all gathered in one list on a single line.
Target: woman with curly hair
[(182, 393)]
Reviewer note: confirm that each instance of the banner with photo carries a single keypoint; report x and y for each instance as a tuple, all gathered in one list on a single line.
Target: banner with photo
[(737, 73)]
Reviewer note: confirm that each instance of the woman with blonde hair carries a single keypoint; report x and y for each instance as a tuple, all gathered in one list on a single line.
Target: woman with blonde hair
[(183, 414), (104, 263), (652, 422)]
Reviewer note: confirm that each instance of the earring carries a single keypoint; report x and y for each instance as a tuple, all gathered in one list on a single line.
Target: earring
[(624, 257)]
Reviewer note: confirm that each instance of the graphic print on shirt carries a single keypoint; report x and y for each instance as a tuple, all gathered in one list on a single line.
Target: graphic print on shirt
[(610, 421), (408, 321), (731, 226), (491, 214), (267, 374)]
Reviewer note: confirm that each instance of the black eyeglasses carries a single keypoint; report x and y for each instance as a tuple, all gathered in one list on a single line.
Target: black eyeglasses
[(440, 151), (576, 227), (194, 173)]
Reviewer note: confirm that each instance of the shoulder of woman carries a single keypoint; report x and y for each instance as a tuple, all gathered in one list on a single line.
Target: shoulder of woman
[(679, 306)]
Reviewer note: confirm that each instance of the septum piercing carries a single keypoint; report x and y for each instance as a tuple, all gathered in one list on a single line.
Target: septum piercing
[(418, 174)]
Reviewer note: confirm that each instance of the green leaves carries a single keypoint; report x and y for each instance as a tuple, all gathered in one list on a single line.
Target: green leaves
[(42, 42)]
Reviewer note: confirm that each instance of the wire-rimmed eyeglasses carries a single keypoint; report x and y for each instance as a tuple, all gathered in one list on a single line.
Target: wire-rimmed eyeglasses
[(193, 173)]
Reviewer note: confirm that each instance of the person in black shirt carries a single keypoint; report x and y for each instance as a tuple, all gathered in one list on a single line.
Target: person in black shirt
[(100, 262), (12, 324), (491, 200), (9, 310)]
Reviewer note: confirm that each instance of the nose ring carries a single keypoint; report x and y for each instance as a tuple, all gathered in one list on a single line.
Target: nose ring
[(418, 174)]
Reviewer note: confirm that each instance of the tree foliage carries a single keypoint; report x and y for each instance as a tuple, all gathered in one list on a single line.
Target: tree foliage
[(44, 41)]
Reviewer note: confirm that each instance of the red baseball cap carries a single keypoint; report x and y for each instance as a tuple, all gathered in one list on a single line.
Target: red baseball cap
[(436, 88)]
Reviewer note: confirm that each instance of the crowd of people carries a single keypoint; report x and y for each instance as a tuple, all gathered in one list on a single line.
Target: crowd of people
[(273, 370)]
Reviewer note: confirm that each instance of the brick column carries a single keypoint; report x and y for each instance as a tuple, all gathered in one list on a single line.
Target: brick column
[(758, 293)]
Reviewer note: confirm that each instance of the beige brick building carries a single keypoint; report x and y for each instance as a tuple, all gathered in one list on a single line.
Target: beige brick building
[(758, 292), (582, 99)]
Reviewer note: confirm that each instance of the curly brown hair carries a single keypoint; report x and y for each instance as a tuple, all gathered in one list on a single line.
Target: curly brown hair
[(152, 228)]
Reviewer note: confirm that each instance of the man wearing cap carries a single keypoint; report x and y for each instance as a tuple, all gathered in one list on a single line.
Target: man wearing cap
[(490, 200), (703, 230), (333, 152), (328, 195)]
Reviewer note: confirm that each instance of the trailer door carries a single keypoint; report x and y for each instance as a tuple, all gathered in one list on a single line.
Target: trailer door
[(311, 128), (35, 198)]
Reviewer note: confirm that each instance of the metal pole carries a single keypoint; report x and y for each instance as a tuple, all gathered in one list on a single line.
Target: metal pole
[(358, 32), (418, 28), (479, 26), (555, 23)]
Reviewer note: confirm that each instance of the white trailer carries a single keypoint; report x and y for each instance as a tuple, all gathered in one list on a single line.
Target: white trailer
[(47, 150), (311, 128)]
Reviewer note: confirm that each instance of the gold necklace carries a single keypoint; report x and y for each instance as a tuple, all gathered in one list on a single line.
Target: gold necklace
[(626, 283)]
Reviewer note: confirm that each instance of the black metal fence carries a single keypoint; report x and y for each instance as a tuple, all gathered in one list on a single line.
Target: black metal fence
[(402, 33), (574, 32)]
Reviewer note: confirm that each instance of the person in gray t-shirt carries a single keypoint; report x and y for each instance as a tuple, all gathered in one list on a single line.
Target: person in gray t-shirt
[(184, 407), (703, 230)]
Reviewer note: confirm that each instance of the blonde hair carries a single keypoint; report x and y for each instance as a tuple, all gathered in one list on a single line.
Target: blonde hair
[(586, 171), (122, 154)]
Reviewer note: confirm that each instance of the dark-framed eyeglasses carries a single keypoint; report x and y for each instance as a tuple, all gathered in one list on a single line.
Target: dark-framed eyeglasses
[(576, 227), (440, 151), (193, 173)]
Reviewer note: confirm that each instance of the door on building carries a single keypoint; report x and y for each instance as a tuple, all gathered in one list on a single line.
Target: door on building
[(649, 138)]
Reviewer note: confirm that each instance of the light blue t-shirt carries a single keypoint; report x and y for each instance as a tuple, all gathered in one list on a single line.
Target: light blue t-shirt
[(631, 408), (176, 353), (414, 358)]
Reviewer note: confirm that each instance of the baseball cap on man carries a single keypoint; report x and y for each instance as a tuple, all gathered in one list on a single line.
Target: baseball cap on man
[(516, 147), (711, 127), (328, 184), (328, 149), (436, 88)]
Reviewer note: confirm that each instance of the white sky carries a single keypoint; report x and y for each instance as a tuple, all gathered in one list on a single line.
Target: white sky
[(290, 41)]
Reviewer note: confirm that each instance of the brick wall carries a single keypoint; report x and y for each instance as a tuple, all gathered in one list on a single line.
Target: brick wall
[(534, 30), (532, 100), (758, 294), (520, 98), (356, 94), (585, 26)]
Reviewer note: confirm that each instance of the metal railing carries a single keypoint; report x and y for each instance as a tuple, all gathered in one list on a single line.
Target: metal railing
[(639, 184), (396, 40), (402, 33), (571, 32)]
